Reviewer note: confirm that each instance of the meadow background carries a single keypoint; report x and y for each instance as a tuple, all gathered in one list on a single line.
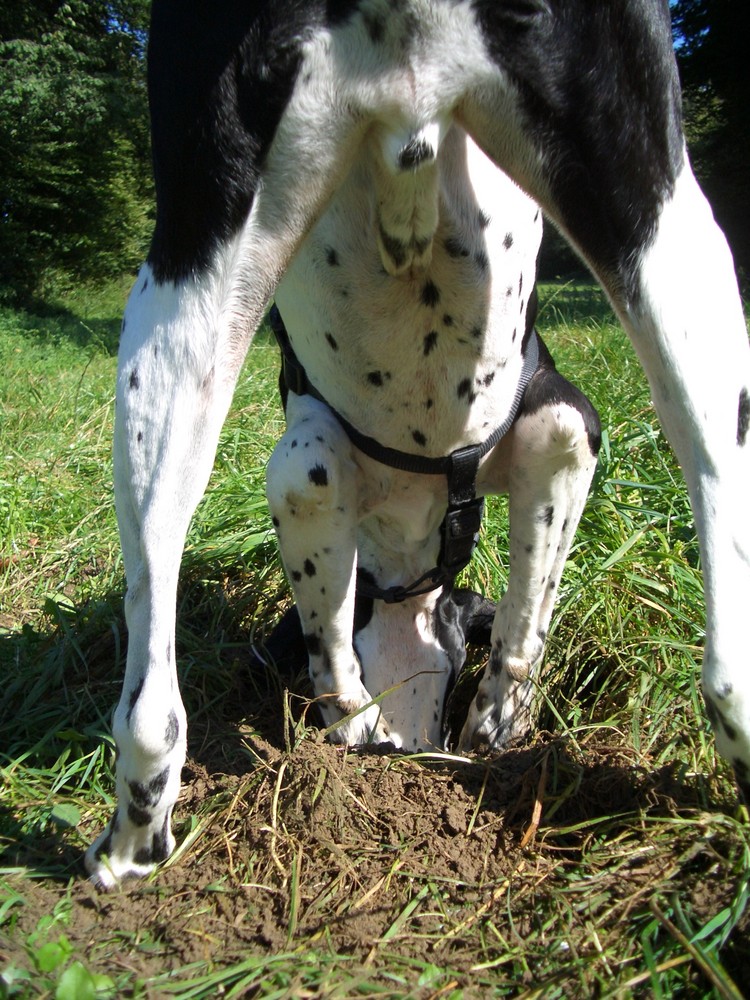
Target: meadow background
[(607, 857)]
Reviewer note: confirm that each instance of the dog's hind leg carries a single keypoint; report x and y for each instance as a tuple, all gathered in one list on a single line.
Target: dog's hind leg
[(222, 241), (174, 385), (312, 487), (596, 138), (689, 331), (549, 457)]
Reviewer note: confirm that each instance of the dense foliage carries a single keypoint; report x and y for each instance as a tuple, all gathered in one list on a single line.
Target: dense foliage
[(710, 37), (75, 188)]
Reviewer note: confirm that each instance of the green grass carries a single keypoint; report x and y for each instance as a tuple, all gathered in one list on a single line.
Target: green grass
[(609, 857)]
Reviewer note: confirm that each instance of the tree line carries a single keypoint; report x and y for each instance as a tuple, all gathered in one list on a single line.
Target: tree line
[(76, 195)]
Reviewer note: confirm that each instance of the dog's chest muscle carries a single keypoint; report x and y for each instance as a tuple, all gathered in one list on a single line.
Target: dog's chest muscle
[(427, 361)]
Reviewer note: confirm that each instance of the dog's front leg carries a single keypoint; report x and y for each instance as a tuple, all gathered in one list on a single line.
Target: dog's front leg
[(312, 486), (553, 448)]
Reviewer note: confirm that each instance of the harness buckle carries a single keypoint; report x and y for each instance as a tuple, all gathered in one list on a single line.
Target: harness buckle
[(460, 534)]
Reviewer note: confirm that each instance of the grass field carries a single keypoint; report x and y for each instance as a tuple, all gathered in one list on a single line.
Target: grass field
[(608, 857)]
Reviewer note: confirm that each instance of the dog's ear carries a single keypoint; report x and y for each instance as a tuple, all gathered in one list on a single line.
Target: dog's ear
[(285, 646), (462, 616), (475, 614)]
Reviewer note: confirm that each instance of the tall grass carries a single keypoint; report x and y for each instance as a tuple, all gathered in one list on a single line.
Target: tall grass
[(631, 877)]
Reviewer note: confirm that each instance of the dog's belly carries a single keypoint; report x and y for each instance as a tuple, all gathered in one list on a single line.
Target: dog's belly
[(428, 361), (425, 361)]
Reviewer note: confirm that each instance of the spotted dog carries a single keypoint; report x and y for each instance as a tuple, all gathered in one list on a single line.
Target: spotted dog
[(378, 168)]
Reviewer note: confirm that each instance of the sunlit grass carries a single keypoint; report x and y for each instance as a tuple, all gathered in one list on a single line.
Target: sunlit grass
[(606, 900)]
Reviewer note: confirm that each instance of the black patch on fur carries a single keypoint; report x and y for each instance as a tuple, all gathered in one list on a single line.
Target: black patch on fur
[(139, 437), (496, 658), (375, 378), (218, 84), (313, 644), (134, 381), (395, 248), (743, 417), (310, 569), (134, 696), (374, 25), (608, 180), (332, 257), (160, 841), (143, 856), (463, 390), (419, 438), (149, 794), (415, 153), (455, 248), (429, 342), (138, 816), (508, 241), (296, 575), (430, 294), (318, 475), (172, 732), (548, 388), (332, 341), (548, 515)]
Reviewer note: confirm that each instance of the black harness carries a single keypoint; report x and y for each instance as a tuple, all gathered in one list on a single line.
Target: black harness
[(459, 531)]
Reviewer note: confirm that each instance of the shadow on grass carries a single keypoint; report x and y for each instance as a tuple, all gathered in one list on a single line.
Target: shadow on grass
[(63, 678), (55, 324)]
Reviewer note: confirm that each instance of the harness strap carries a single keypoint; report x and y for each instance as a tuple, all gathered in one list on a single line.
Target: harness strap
[(459, 531), (295, 378)]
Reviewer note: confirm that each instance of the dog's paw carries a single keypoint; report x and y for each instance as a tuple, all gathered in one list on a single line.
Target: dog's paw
[(500, 714), (355, 720), (125, 850)]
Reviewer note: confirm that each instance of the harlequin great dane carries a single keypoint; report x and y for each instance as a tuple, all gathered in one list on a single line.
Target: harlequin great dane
[(379, 167)]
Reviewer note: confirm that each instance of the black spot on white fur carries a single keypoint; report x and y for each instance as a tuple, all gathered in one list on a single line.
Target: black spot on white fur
[(318, 475), (172, 732), (430, 294), (148, 794), (743, 417), (415, 153), (133, 700)]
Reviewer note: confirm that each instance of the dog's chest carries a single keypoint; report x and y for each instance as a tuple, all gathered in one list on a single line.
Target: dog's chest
[(427, 361)]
